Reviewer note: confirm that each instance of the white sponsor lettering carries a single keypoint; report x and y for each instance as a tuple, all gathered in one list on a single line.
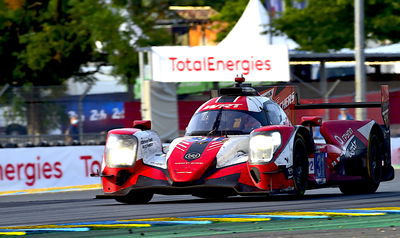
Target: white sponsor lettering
[(352, 148), (345, 137), (287, 101), (218, 106), (338, 139)]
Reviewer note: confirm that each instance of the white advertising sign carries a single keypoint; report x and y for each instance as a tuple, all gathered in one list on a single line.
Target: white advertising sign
[(216, 63), (395, 145), (48, 167), (53, 167)]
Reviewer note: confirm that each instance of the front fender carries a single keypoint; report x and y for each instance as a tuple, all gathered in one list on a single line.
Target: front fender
[(149, 146), (282, 155), (276, 174)]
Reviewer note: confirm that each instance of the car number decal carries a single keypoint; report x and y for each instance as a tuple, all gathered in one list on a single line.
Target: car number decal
[(319, 168)]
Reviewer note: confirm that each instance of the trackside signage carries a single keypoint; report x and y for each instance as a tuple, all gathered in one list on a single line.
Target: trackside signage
[(48, 167), (215, 63), (53, 167)]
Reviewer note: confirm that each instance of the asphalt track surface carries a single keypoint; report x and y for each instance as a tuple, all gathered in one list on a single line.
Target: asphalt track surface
[(80, 206)]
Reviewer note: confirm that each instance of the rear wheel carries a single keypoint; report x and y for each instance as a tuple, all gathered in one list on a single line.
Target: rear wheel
[(373, 170), (300, 167), (135, 198)]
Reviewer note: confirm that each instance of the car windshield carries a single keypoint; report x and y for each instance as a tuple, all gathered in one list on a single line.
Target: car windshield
[(225, 122)]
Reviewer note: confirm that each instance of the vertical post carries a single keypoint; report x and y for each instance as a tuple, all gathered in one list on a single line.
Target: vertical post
[(324, 86), (145, 102), (360, 84), (80, 111)]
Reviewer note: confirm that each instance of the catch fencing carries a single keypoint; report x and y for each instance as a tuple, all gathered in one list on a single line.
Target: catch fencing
[(52, 116)]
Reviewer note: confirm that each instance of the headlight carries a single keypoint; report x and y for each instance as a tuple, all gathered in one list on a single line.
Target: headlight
[(263, 147), (121, 150)]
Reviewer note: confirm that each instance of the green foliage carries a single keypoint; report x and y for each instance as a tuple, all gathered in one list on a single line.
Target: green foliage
[(229, 15), (46, 42), (383, 20), (326, 25), (39, 44)]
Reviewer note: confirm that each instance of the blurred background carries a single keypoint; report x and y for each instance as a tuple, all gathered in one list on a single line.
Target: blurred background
[(69, 69)]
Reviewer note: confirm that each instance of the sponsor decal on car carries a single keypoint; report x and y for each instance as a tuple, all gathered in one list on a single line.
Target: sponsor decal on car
[(345, 137), (192, 156), (225, 106)]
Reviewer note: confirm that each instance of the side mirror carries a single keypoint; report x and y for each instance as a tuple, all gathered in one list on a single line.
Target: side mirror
[(142, 124), (311, 121)]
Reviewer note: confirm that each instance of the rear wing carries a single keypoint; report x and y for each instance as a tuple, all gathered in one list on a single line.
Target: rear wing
[(383, 104), (287, 98)]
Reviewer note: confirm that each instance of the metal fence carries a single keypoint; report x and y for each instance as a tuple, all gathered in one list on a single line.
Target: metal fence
[(55, 116), (16, 141)]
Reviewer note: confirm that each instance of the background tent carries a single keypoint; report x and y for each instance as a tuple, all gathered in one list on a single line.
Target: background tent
[(250, 27)]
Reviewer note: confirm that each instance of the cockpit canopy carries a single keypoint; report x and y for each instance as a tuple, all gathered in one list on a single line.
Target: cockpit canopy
[(225, 122), (238, 111)]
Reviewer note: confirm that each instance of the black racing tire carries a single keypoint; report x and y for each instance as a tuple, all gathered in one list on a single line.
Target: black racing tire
[(300, 167), (373, 170), (135, 198)]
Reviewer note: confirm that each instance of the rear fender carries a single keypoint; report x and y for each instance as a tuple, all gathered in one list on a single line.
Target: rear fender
[(352, 137), (342, 133)]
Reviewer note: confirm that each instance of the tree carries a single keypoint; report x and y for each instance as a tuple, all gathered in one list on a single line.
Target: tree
[(329, 25), (229, 14), (46, 42)]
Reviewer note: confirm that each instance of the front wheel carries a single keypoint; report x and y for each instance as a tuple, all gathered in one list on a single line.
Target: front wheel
[(135, 198), (300, 167)]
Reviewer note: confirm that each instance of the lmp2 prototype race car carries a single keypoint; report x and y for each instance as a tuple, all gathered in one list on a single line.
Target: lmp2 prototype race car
[(243, 143)]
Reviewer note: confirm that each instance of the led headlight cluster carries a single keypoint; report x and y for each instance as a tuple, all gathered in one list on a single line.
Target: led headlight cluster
[(121, 150), (263, 147)]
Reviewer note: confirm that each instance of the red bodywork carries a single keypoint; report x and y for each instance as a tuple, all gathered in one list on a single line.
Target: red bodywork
[(198, 164)]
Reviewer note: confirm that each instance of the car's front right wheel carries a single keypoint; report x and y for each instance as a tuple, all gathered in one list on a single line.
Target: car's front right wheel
[(300, 166)]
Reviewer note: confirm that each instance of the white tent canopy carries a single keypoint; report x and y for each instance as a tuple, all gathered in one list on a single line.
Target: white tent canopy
[(249, 30), (393, 48)]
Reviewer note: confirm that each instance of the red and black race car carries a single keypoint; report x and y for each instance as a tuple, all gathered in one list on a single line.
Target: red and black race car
[(243, 143)]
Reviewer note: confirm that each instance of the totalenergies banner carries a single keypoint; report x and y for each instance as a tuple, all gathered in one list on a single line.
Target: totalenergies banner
[(48, 167), (56, 167), (216, 63)]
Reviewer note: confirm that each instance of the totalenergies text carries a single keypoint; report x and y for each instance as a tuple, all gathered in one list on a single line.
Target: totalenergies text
[(214, 64)]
